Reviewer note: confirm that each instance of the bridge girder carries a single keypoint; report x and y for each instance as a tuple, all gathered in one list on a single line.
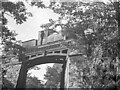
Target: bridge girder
[(46, 59), (21, 83)]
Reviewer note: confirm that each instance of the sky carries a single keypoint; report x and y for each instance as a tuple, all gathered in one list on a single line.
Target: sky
[(29, 30), (40, 73)]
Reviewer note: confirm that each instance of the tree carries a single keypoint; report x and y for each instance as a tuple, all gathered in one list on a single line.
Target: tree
[(37, 3), (53, 76), (7, 84), (94, 27), (11, 47), (33, 82), (18, 12)]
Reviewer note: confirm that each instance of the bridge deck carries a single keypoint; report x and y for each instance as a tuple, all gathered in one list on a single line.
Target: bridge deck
[(47, 50)]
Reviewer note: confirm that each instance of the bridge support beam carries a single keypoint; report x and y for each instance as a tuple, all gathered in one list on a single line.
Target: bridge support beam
[(62, 83), (21, 82)]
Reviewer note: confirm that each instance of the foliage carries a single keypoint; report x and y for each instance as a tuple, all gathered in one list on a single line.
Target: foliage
[(94, 27), (18, 12), (7, 84), (53, 76), (37, 3), (11, 48), (33, 82)]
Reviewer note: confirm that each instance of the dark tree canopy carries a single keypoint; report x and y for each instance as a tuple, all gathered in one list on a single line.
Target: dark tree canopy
[(33, 82), (53, 76), (94, 26)]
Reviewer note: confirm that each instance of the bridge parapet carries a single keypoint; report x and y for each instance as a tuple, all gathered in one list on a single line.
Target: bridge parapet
[(55, 48)]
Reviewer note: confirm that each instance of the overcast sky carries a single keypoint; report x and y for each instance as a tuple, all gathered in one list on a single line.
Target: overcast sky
[(29, 30)]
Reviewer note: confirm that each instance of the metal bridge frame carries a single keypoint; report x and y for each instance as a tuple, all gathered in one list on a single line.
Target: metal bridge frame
[(21, 83), (49, 53)]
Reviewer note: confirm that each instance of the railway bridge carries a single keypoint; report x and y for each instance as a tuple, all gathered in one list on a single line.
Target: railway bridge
[(48, 48), (42, 54)]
